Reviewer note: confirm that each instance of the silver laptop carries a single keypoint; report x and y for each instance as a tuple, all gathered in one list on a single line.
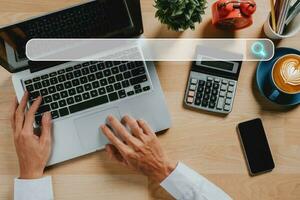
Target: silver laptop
[(80, 95)]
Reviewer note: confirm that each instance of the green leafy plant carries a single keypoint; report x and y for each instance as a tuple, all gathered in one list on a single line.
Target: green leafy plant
[(180, 14)]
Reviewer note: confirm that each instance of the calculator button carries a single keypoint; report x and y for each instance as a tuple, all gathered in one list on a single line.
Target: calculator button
[(192, 87), (220, 103), (212, 104), (222, 94), (198, 101), (226, 107), (204, 103), (230, 89), (199, 95), (224, 81), (200, 89), (194, 81), (190, 99), (208, 84), (229, 95), (191, 93), (206, 96), (223, 87), (213, 98), (201, 82), (228, 101), (217, 80), (216, 85), (214, 92), (207, 90), (209, 78), (231, 83)]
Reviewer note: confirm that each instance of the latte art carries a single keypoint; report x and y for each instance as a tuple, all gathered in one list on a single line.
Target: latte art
[(290, 71)]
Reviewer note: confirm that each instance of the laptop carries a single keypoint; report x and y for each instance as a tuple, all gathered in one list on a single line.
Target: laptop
[(80, 95)]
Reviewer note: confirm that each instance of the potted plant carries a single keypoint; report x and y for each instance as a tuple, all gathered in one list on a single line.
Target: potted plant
[(180, 15)]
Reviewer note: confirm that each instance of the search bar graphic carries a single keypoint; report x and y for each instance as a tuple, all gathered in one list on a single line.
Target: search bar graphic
[(149, 49)]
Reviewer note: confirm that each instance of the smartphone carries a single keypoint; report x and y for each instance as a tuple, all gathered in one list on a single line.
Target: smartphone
[(255, 146)]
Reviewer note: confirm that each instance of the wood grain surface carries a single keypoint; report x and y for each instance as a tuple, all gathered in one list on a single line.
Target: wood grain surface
[(206, 142)]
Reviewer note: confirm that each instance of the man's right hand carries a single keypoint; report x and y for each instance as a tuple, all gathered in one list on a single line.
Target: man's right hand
[(140, 150)]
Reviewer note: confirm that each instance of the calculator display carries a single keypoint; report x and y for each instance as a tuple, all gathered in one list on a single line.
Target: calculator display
[(219, 64)]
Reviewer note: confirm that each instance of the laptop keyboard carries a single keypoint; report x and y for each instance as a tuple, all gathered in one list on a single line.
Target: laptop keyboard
[(85, 85)]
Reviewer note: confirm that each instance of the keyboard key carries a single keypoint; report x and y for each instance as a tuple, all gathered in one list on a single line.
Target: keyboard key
[(125, 83), (89, 104), (72, 91), (122, 68), (206, 96), (85, 64), (214, 92), (222, 94), (34, 95), (91, 77), (63, 112), (138, 91), (208, 84), (61, 78), (43, 109), (77, 73), (199, 95), (146, 88), (78, 98), (61, 71), (138, 71), (130, 93), (87, 87), (59, 87), (207, 91), (69, 76), (223, 87), (228, 101), (55, 96), (229, 95), (27, 82), (47, 99), (109, 88), (64, 94), (119, 77), (79, 89), (108, 64), (201, 83), (94, 93), (86, 96), (113, 96), (99, 75), (45, 76), (107, 72), (54, 105), (70, 100), (46, 83), (62, 103), (117, 86), (53, 81), (52, 74), (29, 88), (216, 86), (122, 93), (204, 103), (54, 114), (68, 84), (192, 87), (138, 80), (100, 66), (101, 91), (127, 75), (212, 104), (93, 68), (200, 88), (75, 82), (37, 86), (103, 82), (111, 79), (85, 71), (130, 65), (36, 79), (77, 66), (95, 84), (213, 98), (115, 70), (44, 92)]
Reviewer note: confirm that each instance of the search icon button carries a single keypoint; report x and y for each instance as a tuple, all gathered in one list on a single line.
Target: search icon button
[(258, 49)]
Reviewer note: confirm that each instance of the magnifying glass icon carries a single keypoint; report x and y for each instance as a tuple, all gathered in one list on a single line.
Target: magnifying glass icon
[(258, 49)]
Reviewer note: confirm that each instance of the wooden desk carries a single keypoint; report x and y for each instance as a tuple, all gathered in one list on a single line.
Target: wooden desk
[(205, 142)]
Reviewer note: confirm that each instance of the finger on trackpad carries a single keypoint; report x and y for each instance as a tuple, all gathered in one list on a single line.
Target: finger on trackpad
[(88, 128)]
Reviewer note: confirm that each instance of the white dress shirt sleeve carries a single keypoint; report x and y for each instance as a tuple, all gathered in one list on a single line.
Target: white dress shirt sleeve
[(186, 184), (33, 189)]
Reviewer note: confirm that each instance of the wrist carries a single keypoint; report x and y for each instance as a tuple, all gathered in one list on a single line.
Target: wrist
[(31, 174), (168, 168)]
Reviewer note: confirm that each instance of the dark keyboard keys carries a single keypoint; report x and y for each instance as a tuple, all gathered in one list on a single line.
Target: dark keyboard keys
[(70, 100), (95, 84), (86, 96), (34, 95), (79, 89), (29, 88), (53, 81), (72, 92), (103, 82), (54, 105), (44, 92), (54, 114), (37, 86), (83, 80), (43, 109), (55, 96), (62, 103), (47, 99), (122, 93), (101, 91), (59, 87), (87, 87), (146, 88), (99, 75), (63, 112), (46, 83), (78, 98), (94, 93), (113, 96), (28, 82), (91, 77), (75, 82), (109, 88), (138, 80), (64, 94), (138, 71), (88, 104)]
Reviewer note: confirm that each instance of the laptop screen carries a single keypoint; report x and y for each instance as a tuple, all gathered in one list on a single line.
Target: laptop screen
[(95, 19)]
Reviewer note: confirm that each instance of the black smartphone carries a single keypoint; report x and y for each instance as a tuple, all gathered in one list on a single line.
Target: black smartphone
[(255, 146)]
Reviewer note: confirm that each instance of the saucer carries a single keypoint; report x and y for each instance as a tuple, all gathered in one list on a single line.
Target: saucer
[(264, 68)]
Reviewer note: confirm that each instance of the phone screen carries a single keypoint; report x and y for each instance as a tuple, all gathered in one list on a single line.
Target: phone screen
[(256, 147)]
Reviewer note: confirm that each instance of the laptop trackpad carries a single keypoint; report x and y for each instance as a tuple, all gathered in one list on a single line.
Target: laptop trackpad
[(88, 128)]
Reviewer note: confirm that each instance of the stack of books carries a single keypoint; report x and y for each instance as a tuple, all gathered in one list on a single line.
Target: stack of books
[(282, 13)]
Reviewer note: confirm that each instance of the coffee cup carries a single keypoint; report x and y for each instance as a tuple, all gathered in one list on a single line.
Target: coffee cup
[(283, 81)]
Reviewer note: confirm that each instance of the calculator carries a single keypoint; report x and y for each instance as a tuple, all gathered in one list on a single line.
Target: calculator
[(212, 85)]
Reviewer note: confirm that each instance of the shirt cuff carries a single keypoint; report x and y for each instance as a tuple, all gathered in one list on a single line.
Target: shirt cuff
[(33, 189), (185, 183)]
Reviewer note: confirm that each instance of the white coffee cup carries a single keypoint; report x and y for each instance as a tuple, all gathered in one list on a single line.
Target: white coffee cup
[(291, 30)]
